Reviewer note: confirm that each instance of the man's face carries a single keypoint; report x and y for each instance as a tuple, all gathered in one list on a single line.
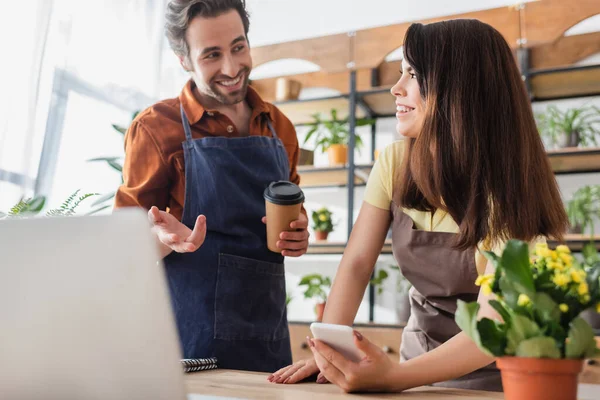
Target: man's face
[(219, 57)]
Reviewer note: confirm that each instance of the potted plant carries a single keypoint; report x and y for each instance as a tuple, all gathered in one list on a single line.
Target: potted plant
[(402, 299), (322, 223), (583, 207), (590, 258), (570, 128), (333, 136), (378, 278), (116, 163), (31, 207), (316, 287), (542, 341)]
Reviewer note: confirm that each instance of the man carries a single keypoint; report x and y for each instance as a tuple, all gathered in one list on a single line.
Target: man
[(212, 151)]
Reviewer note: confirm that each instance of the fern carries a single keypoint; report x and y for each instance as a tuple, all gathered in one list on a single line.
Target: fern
[(69, 205)]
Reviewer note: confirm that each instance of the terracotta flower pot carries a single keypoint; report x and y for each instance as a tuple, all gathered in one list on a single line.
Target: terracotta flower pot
[(539, 378), (321, 235), (319, 309), (338, 154)]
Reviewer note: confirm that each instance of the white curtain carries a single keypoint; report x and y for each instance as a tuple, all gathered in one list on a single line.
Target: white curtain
[(75, 68)]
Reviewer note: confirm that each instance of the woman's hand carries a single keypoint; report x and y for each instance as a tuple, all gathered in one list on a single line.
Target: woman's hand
[(375, 372), (297, 372)]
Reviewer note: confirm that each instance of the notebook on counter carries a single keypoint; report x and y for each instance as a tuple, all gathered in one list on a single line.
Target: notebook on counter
[(198, 364)]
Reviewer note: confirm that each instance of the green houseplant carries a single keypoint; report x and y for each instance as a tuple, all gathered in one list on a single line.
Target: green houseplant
[(31, 207), (322, 223), (570, 128), (116, 163), (333, 136), (583, 207), (542, 340), (316, 286)]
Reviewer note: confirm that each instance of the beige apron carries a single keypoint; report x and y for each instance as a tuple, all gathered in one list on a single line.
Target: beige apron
[(440, 275)]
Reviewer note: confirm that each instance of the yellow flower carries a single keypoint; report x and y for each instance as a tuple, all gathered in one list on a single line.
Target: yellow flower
[(546, 253), (563, 249), (577, 276), (540, 249), (598, 308), (583, 289), (563, 307), (484, 280), (523, 300), (561, 280), (554, 255), (553, 265), (486, 289), (566, 259), (323, 217)]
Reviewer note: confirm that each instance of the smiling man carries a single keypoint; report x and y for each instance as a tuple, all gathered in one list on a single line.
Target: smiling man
[(199, 164)]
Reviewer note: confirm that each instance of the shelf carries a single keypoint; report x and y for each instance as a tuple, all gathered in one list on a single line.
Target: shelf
[(317, 177), (575, 160), (565, 161), (564, 83), (327, 247), (574, 241), (300, 111)]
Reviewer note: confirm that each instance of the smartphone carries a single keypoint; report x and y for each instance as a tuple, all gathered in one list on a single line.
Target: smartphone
[(338, 337)]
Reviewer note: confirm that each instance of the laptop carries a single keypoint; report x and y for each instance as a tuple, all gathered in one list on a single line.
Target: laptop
[(85, 311)]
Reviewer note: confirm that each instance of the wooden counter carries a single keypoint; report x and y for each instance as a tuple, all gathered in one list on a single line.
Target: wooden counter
[(252, 385)]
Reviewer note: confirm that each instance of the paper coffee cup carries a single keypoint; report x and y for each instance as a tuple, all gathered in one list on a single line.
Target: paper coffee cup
[(283, 202)]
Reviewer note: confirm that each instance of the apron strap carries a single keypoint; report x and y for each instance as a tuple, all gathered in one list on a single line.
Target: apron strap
[(271, 128), (186, 124)]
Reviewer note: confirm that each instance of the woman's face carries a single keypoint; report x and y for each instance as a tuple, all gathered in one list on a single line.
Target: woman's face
[(410, 107)]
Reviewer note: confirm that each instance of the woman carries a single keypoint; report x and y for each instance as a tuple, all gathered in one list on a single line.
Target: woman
[(472, 172)]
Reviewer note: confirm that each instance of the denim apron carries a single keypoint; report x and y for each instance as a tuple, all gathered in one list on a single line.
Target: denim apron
[(229, 295)]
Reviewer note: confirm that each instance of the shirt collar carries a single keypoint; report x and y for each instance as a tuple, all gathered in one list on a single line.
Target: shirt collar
[(194, 110)]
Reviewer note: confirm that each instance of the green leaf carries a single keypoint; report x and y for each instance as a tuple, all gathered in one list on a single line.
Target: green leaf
[(521, 328), (466, 319), (119, 129), (103, 198), (509, 292), (492, 336), (546, 308), (581, 342), (116, 165), (496, 305), (538, 347), (515, 263)]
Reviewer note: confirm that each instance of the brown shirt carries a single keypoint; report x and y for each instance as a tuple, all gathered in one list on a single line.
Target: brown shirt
[(153, 171)]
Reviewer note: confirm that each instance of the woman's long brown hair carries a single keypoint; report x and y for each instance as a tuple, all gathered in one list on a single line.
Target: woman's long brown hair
[(479, 155)]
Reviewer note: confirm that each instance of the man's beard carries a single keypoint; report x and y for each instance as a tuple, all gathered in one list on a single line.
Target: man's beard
[(214, 90)]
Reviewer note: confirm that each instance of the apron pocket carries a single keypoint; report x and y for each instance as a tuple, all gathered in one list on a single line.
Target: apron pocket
[(250, 300)]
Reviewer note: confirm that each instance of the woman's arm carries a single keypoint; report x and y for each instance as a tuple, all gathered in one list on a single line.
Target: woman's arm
[(453, 359), (353, 275), (351, 279)]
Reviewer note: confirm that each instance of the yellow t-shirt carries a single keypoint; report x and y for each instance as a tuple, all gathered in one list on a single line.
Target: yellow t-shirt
[(379, 192)]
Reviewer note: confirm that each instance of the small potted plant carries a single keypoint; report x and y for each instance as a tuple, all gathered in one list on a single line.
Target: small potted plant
[(402, 299), (333, 136), (570, 128), (316, 287), (542, 341), (322, 223), (583, 208)]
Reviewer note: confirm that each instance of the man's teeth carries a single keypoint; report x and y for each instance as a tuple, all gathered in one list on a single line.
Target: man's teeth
[(404, 109), (232, 82)]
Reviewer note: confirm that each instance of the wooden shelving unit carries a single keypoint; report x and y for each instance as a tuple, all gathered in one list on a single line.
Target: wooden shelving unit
[(316, 177), (574, 241), (564, 161)]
